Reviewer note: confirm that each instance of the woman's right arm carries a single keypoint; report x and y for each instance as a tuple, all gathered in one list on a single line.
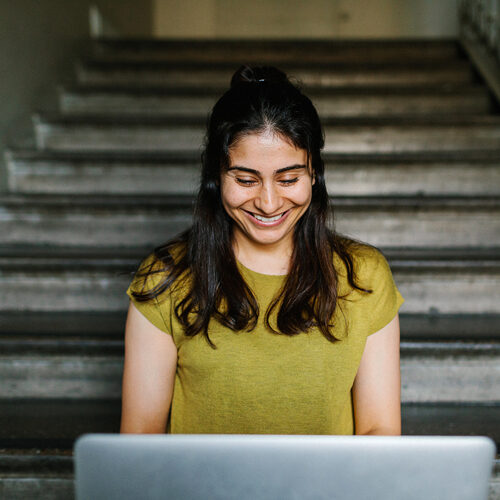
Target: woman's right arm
[(148, 376)]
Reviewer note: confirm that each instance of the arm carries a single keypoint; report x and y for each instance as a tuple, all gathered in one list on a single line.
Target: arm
[(377, 387), (148, 376)]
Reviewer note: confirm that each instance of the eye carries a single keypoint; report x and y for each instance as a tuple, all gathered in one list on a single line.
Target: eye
[(246, 182), (287, 182)]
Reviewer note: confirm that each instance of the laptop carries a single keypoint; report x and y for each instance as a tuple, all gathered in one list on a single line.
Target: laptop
[(279, 467)]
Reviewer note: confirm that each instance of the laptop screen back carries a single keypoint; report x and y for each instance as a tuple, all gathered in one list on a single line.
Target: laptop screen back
[(282, 467)]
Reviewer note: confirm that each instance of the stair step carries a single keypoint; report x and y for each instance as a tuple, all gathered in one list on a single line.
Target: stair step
[(430, 372), (335, 103), (381, 134), (92, 220), (26, 331), (218, 76), (466, 283), (276, 51), (149, 173), (32, 423), (36, 473)]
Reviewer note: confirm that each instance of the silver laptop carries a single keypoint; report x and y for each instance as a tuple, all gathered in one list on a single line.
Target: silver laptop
[(270, 467)]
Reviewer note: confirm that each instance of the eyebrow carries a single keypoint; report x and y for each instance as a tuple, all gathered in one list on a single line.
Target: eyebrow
[(279, 171)]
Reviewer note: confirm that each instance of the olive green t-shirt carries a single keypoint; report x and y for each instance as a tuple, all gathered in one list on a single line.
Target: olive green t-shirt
[(260, 382)]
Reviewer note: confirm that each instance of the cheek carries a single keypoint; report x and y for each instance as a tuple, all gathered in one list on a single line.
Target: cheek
[(303, 196), (232, 197)]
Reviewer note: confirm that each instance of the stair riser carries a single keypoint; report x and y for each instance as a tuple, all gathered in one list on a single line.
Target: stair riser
[(347, 139), (327, 106), (100, 176), (429, 379), (458, 291), (41, 488), (424, 379), (21, 488), (269, 54), (323, 77), (394, 227)]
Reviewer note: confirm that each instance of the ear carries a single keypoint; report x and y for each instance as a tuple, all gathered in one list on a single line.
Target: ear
[(313, 178)]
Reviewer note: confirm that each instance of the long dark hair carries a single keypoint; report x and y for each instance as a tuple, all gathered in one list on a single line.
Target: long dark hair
[(259, 99)]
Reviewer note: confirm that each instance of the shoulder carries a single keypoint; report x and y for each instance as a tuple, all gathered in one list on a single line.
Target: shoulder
[(372, 272), (368, 262), (155, 268), (149, 273)]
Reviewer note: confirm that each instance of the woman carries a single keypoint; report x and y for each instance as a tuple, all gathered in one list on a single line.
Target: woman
[(259, 319)]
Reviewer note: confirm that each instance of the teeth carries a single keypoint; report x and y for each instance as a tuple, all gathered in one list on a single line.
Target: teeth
[(267, 219)]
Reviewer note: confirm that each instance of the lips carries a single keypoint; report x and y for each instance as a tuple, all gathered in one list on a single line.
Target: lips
[(267, 221)]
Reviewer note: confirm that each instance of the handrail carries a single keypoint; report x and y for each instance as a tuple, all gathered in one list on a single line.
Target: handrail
[(480, 19)]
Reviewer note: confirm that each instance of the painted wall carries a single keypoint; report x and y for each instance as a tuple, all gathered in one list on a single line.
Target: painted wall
[(38, 43), (305, 18)]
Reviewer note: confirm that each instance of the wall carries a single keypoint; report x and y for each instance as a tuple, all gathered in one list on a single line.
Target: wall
[(305, 18), (39, 40)]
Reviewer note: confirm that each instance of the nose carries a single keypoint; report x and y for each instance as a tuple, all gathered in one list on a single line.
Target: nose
[(268, 200)]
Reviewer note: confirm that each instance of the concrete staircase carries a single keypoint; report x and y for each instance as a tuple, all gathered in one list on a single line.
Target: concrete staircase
[(412, 159)]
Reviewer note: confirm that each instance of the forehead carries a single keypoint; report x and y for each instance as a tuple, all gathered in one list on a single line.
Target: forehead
[(265, 149)]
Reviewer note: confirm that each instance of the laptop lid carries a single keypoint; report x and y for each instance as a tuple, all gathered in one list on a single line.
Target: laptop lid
[(272, 467)]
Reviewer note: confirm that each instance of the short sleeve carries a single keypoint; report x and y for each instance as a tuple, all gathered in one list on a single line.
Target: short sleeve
[(384, 302), (155, 311)]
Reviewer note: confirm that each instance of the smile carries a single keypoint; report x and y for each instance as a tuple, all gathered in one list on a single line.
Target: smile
[(267, 221)]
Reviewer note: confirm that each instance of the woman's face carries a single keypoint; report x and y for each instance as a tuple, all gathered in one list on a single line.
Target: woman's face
[(266, 189)]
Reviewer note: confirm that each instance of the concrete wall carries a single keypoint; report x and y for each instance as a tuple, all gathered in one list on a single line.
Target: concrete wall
[(39, 39), (128, 18), (301, 18)]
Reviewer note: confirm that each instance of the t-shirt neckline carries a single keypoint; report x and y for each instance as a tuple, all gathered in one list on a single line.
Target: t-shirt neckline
[(273, 277)]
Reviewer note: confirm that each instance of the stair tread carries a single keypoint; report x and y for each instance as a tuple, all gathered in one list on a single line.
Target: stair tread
[(492, 156), (56, 423), (149, 120), (368, 90), (138, 42), (393, 65)]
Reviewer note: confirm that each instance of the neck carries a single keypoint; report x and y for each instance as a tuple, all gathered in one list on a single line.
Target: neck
[(266, 259)]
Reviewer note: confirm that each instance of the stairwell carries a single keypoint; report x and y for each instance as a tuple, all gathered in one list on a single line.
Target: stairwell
[(412, 158)]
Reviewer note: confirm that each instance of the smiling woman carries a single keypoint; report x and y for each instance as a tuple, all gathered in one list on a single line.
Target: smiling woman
[(265, 190), (260, 317)]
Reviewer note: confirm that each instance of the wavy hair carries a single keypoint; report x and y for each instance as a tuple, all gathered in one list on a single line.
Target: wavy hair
[(259, 99)]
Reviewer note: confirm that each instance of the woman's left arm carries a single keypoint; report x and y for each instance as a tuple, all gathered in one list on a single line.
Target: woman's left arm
[(376, 390)]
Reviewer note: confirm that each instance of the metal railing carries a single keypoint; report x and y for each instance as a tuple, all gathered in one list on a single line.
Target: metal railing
[(481, 19)]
